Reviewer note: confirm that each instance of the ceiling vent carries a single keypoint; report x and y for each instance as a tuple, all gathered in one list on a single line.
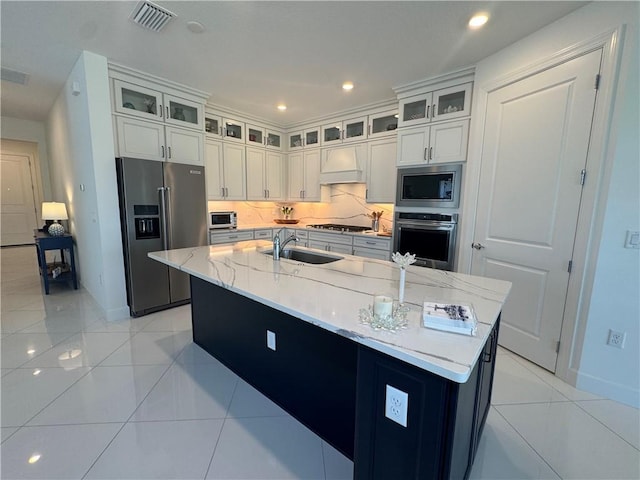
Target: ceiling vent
[(151, 16), (14, 76)]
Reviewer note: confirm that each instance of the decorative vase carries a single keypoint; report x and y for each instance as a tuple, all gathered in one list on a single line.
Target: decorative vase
[(375, 224)]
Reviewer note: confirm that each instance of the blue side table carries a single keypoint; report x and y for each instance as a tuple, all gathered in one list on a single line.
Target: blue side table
[(45, 242)]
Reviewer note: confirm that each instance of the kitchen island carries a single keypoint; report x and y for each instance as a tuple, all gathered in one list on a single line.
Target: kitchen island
[(292, 330)]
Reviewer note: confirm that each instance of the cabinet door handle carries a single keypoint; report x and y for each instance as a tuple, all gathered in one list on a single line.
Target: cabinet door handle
[(162, 147), (428, 110), (433, 111), (167, 113), (371, 243), (160, 111), (430, 153), (268, 193), (369, 130), (169, 150), (425, 153), (222, 191)]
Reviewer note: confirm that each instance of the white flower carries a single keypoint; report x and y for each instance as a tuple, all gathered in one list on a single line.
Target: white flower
[(403, 260)]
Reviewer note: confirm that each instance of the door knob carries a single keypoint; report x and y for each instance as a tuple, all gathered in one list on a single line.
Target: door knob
[(477, 246)]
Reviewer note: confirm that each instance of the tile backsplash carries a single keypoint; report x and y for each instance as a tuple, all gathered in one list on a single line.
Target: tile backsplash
[(345, 204)]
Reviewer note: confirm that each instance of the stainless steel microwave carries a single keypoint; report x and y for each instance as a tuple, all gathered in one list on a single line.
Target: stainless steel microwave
[(223, 220), (429, 186)]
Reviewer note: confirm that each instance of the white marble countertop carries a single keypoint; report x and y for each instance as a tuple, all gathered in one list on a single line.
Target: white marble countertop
[(331, 295)]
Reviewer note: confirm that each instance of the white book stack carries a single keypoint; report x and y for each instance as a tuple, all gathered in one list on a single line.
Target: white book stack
[(450, 317)]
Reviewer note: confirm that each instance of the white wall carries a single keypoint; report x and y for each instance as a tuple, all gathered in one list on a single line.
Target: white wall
[(30, 131), (611, 273), (82, 166)]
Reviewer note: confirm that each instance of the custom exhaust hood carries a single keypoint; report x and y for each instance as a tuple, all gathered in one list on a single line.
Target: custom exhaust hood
[(343, 164)]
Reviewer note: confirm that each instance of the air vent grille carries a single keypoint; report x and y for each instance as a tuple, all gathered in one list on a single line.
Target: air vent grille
[(151, 16), (14, 76)]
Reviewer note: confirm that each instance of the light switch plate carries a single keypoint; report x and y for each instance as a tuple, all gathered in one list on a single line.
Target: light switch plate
[(271, 340)]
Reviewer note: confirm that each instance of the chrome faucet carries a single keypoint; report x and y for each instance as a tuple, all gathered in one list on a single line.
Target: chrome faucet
[(278, 247)]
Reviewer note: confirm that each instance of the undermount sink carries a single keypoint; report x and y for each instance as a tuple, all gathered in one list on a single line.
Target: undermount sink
[(305, 257)]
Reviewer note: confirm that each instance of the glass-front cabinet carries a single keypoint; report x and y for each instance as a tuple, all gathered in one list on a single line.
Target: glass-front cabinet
[(255, 135), (305, 138), (383, 123), (233, 130), (143, 102), (213, 125), (443, 104), (138, 101), (273, 140), (180, 112), (351, 130)]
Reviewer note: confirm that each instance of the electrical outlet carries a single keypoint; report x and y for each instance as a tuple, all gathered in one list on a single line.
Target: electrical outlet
[(396, 405), (271, 340), (616, 339)]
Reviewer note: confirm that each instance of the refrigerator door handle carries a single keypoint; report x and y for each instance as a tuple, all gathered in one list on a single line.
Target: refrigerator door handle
[(167, 194), (163, 218)]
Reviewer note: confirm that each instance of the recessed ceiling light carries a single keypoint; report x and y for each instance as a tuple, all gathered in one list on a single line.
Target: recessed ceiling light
[(282, 107), (195, 27), (34, 458), (478, 20), (347, 86)]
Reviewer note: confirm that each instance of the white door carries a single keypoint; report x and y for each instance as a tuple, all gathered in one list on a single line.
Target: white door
[(18, 209), (535, 146)]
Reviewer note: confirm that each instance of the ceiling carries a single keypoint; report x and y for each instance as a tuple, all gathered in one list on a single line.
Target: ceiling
[(254, 55)]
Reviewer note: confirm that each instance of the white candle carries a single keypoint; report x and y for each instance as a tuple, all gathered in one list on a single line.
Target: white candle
[(401, 288), (382, 305)]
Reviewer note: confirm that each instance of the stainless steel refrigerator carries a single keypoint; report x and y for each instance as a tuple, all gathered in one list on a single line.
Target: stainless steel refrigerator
[(162, 207)]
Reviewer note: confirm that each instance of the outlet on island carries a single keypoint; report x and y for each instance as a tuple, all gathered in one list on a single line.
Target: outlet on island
[(271, 340), (396, 405)]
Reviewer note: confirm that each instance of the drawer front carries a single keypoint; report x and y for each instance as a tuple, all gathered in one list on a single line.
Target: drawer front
[(371, 253), (229, 237), (372, 242), (330, 238), (263, 234), (302, 233)]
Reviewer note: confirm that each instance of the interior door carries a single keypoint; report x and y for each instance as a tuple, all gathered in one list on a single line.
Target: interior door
[(18, 210), (535, 148)]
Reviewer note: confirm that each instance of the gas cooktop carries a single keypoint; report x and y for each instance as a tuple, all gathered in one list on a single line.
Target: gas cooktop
[(339, 227)]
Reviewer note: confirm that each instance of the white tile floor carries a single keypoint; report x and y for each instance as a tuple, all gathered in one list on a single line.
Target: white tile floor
[(87, 398)]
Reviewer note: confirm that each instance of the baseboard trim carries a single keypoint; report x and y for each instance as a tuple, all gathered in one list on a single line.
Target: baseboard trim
[(614, 391)]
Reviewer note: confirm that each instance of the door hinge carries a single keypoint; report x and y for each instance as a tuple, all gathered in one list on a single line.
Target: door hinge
[(583, 176), (558, 346), (597, 85), (570, 266)]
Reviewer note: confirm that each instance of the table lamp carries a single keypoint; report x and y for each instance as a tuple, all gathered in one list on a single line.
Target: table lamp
[(54, 211)]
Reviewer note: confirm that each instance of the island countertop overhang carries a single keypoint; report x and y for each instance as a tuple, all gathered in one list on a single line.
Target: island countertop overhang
[(331, 295)]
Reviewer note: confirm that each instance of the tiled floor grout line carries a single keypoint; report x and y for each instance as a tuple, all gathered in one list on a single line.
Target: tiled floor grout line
[(529, 444), (604, 424)]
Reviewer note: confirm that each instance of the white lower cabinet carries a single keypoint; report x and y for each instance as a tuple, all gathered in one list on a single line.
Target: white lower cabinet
[(304, 176), (436, 143), (381, 171), (154, 141), (372, 247), (225, 170), (265, 175), (218, 237), (331, 242)]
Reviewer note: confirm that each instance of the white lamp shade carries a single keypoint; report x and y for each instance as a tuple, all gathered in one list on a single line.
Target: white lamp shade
[(54, 211)]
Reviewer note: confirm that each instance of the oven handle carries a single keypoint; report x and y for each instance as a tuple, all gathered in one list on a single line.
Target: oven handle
[(420, 224)]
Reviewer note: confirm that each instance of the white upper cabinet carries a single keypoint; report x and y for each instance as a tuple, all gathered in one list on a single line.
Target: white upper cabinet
[(304, 176), (442, 104), (256, 136), (381, 171), (383, 124), (143, 102), (265, 175), (213, 125), (225, 170), (233, 130), (352, 130), (273, 139), (437, 143), (308, 138)]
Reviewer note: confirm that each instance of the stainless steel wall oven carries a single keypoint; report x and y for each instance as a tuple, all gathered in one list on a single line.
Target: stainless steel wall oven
[(430, 236)]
